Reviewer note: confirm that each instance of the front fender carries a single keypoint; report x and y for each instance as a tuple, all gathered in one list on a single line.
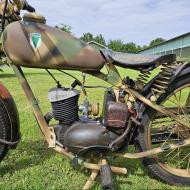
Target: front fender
[(12, 111)]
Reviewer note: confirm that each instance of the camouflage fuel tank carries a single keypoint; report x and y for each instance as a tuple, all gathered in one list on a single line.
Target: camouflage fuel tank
[(32, 43)]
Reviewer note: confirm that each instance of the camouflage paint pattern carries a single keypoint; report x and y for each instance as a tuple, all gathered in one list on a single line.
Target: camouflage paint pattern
[(56, 49), (15, 5), (60, 50), (47, 131), (112, 76)]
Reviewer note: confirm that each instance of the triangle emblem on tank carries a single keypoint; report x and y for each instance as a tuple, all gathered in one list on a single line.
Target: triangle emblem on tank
[(35, 40)]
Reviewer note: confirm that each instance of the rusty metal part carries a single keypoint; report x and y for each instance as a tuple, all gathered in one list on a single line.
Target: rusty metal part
[(46, 130), (169, 72), (142, 79), (164, 79), (157, 107), (116, 115)]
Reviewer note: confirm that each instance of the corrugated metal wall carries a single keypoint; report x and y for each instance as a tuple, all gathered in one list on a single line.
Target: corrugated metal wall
[(179, 45)]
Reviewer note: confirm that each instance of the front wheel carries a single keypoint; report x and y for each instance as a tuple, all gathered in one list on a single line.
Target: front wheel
[(172, 166)]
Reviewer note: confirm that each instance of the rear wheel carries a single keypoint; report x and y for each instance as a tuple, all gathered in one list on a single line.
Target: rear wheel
[(172, 166)]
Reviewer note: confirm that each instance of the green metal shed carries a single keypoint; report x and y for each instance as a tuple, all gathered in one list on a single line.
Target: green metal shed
[(179, 45)]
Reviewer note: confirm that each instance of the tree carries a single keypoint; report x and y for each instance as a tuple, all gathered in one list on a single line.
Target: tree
[(87, 37), (156, 41), (115, 45), (131, 48), (118, 45), (65, 28), (100, 39)]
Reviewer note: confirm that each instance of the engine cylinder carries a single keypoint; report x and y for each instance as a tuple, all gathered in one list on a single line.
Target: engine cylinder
[(65, 104)]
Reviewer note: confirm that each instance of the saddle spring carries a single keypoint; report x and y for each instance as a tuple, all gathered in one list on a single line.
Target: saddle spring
[(142, 79), (164, 79)]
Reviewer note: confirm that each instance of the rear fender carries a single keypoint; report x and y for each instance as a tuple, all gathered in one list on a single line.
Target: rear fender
[(12, 112), (185, 71)]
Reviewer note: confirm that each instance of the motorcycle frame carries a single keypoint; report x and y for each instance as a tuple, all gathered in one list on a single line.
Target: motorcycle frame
[(113, 78)]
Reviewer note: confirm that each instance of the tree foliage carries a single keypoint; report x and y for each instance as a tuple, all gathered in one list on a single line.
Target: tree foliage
[(116, 45), (65, 28), (87, 37), (156, 41), (100, 39)]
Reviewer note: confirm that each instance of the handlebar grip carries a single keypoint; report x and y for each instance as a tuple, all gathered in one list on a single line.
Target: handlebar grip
[(28, 7)]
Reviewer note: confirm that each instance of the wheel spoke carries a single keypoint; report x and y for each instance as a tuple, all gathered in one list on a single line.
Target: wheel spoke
[(177, 160), (187, 156), (188, 166)]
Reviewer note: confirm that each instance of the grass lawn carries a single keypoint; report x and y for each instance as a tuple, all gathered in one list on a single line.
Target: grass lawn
[(33, 166)]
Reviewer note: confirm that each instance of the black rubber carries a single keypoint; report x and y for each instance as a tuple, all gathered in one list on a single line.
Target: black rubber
[(5, 129), (142, 141)]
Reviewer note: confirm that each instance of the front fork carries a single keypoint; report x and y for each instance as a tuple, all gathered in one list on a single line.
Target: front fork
[(46, 130)]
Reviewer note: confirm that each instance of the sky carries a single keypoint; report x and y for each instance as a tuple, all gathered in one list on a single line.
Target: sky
[(138, 21)]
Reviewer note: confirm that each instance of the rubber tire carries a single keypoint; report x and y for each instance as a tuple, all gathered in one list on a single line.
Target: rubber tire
[(142, 141), (5, 129)]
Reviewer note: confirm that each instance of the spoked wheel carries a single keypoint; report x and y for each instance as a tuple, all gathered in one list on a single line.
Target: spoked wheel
[(171, 166)]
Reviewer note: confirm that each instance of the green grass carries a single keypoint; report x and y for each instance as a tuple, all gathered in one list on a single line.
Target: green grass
[(33, 166)]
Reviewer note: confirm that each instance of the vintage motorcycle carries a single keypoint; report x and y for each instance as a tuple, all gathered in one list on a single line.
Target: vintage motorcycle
[(153, 115)]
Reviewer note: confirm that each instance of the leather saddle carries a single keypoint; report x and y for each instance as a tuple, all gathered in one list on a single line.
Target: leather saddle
[(137, 61)]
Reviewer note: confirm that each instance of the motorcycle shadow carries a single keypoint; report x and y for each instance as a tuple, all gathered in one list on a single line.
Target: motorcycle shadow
[(7, 75), (27, 154)]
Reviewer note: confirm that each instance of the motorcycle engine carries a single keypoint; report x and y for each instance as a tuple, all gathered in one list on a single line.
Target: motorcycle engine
[(64, 104), (77, 133)]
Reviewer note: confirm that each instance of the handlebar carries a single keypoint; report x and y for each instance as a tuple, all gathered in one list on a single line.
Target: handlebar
[(10, 10), (28, 7)]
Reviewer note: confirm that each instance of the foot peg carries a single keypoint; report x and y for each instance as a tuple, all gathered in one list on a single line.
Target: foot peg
[(106, 176)]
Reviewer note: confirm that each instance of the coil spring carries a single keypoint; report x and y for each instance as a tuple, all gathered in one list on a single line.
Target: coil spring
[(142, 79), (164, 79)]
